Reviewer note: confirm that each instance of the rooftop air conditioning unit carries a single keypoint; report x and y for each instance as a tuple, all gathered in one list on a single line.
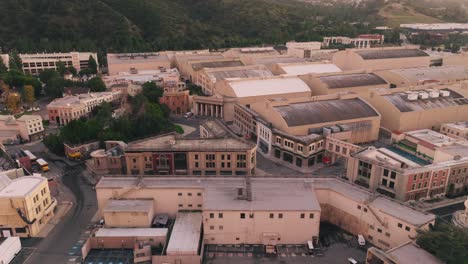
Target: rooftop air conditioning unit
[(423, 95), (444, 93), (412, 96), (433, 93)]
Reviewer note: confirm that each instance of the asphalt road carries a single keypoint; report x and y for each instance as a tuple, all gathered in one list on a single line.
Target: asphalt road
[(55, 248), (447, 211)]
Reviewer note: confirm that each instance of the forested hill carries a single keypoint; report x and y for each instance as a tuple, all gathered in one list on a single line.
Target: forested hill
[(137, 25)]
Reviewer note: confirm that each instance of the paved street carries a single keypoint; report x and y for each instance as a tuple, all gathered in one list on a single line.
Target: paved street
[(446, 212)]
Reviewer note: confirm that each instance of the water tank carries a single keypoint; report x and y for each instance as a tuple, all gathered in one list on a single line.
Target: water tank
[(412, 96), (444, 93), (433, 93)]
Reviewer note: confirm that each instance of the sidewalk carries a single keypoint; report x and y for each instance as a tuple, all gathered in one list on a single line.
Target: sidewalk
[(61, 210), (427, 206)]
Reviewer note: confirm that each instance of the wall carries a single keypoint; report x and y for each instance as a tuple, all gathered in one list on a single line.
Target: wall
[(231, 229)]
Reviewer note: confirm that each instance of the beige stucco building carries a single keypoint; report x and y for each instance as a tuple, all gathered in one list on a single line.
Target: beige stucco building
[(267, 214), (321, 67), (63, 110), (27, 127), (247, 91), (25, 205), (381, 59), (125, 62), (455, 129), (419, 107), (302, 49)]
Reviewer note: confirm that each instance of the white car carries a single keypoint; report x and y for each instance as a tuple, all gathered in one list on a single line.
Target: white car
[(36, 108), (188, 114), (361, 240)]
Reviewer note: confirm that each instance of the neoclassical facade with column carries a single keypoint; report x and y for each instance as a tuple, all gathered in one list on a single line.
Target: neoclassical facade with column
[(214, 106)]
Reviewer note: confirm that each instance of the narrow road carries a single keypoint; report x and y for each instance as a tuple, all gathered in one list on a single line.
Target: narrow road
[(57, 246)]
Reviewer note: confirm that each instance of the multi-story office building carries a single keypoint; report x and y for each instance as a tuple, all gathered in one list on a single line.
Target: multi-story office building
[(218, 152), (36, 63), (26, 205), (420, 164), (63, 110)]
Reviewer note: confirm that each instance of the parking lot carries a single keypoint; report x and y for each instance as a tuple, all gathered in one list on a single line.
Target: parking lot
[(336, 247)]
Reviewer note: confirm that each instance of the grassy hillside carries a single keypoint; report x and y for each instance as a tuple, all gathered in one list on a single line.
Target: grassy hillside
[(137, 25), (396, 14)]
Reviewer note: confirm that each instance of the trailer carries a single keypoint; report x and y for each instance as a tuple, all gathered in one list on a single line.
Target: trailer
[(9, 248)]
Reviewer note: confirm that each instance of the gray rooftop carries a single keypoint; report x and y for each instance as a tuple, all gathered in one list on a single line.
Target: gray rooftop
[(216, 128), (172, 142), (352, 80), (379, 54), (128, 206), (217, 64), (185, 235), (410, 254), (400, 101), (317, 112)]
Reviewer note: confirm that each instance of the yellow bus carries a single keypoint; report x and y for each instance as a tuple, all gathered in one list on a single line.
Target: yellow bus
[(43, 164)]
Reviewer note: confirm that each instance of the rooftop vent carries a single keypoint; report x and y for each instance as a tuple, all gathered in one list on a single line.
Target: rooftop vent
[(423, 95), (412, 96)]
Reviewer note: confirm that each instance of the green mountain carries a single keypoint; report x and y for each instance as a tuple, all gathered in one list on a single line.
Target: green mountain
[(137, 25)]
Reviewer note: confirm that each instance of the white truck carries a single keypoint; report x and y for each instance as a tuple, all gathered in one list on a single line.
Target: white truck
[(9, 248)]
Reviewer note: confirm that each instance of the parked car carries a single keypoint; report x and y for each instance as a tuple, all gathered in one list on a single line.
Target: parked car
[(188, 114)]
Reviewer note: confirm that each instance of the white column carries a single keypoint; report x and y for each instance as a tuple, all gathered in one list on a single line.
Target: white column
[(211, 112), (221, 108)]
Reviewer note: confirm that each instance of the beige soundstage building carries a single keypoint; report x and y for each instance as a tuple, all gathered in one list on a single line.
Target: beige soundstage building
[(381, 59), (272, 211)]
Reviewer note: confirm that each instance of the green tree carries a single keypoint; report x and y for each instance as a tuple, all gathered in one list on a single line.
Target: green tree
[(13, 101), (195, 89), (447, 242), (96, 85), (103, 114), (48, 74), (92, 65), (61, 69), (72, 70), (35, 83), (15, 62), (3, 67), (152, 91), (54, 143), (28, 95), (54, 88)]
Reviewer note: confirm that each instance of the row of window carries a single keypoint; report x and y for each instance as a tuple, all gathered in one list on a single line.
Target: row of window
[(190, 205), (271, 215), (189, 194), (290, 144)]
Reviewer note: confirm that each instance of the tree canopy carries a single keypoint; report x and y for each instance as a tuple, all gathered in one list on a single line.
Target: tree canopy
[(446, 242)]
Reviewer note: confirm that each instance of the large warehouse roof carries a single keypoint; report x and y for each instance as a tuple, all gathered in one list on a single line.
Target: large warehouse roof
[(317, 112), (378, 54), (352, 80), (240, 72), (217, 64), (272, 86), (306, 68), (403, 104), (415, 75)]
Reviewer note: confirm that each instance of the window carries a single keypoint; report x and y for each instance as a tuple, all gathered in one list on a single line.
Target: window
[(392, 185), (210, 156), (272, 215), (211, 227), (379, 230), (370, 237), (302, 216), (199, 205), (242, 215), (311, 216), (198, 194), (220, 215), (387, 234), (196, 156), (393, 175), (359, 207), (189, 205), (300, 148), (181, 205), (371, 227), (385, 172), (179, 194), (278, 140), (280, 216), (407, 228), (220, 227), (400, 225), (251, 215), (189, 194), (365, 210)]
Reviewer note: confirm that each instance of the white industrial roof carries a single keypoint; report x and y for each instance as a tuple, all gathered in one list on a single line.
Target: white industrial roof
[(270, 86), (298, 69), (185, 235), (131, 232), (19, 187)]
